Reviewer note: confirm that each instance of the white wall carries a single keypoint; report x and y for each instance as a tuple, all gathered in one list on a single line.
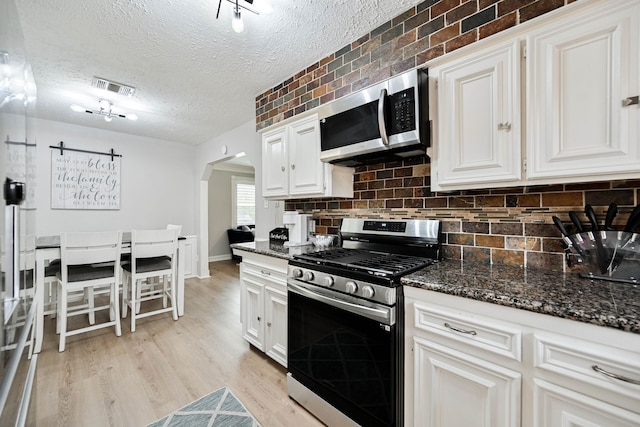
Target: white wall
[(245, 139), (157, 181)]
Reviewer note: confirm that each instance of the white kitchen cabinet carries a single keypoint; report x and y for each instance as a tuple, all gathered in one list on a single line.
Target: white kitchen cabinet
[(459, 371), (558, 407), (478, 118), (275, 158), (447, 380), (504, 366), (553, 100), (263, 304), (579, 75), (190, 256), (291, 164), (275, 307)]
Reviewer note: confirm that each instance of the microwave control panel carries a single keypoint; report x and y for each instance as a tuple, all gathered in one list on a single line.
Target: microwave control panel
[(402, 111)]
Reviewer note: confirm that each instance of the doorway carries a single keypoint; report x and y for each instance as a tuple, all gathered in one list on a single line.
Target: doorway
[(229, 183)]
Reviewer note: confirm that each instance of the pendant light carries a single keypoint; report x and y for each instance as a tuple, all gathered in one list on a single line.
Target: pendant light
[(237, 24)]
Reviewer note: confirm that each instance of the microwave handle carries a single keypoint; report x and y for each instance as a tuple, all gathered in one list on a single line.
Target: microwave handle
[(381, 123)]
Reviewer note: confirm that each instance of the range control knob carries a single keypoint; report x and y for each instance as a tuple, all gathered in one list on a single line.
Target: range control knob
[(368, 292), (297, 273), (328, 281), (351, 287), (308, 276)]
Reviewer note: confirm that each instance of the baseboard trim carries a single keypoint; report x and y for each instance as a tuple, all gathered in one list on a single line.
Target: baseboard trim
[(216, 258)]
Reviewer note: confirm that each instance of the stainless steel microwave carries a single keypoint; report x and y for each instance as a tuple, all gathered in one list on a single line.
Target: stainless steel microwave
[(377, 124)]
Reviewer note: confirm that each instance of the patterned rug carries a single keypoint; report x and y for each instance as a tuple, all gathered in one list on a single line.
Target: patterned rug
[(218, 409)]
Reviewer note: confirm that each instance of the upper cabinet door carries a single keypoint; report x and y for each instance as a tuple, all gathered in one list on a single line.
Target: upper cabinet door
[(580, 72), (306, 171), (275, 171), (478, 119)]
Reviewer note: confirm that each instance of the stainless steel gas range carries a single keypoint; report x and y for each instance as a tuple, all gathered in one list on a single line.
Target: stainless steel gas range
[(345, 320)]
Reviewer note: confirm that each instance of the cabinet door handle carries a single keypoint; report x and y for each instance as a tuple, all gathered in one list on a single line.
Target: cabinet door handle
[(282, 168), (614, 376), (293, 166), (269, 324), (259, 318), (266, 273), (504, 126), (632, 100), (462, 331)]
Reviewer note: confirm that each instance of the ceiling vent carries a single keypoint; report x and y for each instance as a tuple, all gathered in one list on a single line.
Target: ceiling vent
[(118, 88)]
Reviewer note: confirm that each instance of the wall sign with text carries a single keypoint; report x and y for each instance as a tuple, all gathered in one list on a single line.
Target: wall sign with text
[(81, 180)]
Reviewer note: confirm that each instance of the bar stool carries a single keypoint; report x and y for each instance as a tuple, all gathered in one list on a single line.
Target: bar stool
[(153, 254), (89, 260)]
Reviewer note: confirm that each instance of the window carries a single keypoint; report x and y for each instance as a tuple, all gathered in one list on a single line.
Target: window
[(243, 200)]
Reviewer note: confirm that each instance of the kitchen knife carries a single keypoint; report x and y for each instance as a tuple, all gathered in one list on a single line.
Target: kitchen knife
[(602, 256), (566, 237), (633, 224), (576, 221), (632, 220), (560, 226), (611, 214), (591, 216)]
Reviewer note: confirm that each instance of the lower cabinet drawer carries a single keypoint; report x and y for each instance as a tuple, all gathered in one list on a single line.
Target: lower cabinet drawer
[(474, 331), (265, 273), (589, 363)]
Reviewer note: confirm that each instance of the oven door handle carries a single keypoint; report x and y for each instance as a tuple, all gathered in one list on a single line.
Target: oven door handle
[(384, 315)]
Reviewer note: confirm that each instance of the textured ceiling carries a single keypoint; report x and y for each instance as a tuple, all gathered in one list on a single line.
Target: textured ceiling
[(195, 77)]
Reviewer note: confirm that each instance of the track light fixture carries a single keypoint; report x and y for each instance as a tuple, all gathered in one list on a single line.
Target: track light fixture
[(237, 24), (105, 110)]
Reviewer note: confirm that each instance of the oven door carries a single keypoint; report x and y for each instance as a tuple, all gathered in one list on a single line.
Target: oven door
[(345, 353)]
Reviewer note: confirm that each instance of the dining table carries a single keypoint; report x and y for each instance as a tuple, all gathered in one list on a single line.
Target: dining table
[(48, 249)]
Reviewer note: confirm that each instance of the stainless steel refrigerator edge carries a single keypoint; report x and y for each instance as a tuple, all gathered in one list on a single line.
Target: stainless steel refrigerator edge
[(17, 261)]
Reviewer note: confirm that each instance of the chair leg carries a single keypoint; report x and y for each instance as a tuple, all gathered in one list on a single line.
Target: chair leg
[(58, 306), (138, 296), (134, 303), (125, 298), (164, 291), (115, 308), (173, 299), (92, 303), (62, 318)]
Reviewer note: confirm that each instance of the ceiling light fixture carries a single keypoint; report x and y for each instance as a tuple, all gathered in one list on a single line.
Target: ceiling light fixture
[(237, 24), (105, 110)]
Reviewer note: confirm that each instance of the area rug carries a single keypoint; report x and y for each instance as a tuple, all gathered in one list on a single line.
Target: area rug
[(218, 409)]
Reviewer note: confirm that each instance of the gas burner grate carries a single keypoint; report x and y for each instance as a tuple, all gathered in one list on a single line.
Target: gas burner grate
[(381, 264)]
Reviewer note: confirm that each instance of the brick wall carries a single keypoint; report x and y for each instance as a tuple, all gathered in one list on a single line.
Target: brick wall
[(512, 225), (426, 31), (505, 225)]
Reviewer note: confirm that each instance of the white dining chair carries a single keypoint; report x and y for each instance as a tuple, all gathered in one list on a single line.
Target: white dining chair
[(153, 254), (89, 260), (175, 227)]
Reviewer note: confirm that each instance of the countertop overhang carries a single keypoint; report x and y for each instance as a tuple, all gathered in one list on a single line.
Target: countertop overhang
[(554, 293)]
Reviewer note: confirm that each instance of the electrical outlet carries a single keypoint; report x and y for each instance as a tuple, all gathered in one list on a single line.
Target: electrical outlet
[(266, 204), (277, 204)]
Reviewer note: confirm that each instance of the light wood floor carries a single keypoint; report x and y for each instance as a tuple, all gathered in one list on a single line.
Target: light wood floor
[(137, 378)]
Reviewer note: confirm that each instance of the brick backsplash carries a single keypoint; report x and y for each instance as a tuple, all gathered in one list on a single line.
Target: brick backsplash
[(505, 225), (424, 32)]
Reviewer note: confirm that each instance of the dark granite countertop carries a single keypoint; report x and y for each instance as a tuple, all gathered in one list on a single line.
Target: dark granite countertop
[(278, 251), (599, 302), (570, 296)]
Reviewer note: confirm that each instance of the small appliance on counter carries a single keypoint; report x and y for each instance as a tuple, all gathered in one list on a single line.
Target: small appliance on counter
[(299, 226)]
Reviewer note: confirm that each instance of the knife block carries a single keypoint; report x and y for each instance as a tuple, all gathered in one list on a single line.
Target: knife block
[(606, 255)]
